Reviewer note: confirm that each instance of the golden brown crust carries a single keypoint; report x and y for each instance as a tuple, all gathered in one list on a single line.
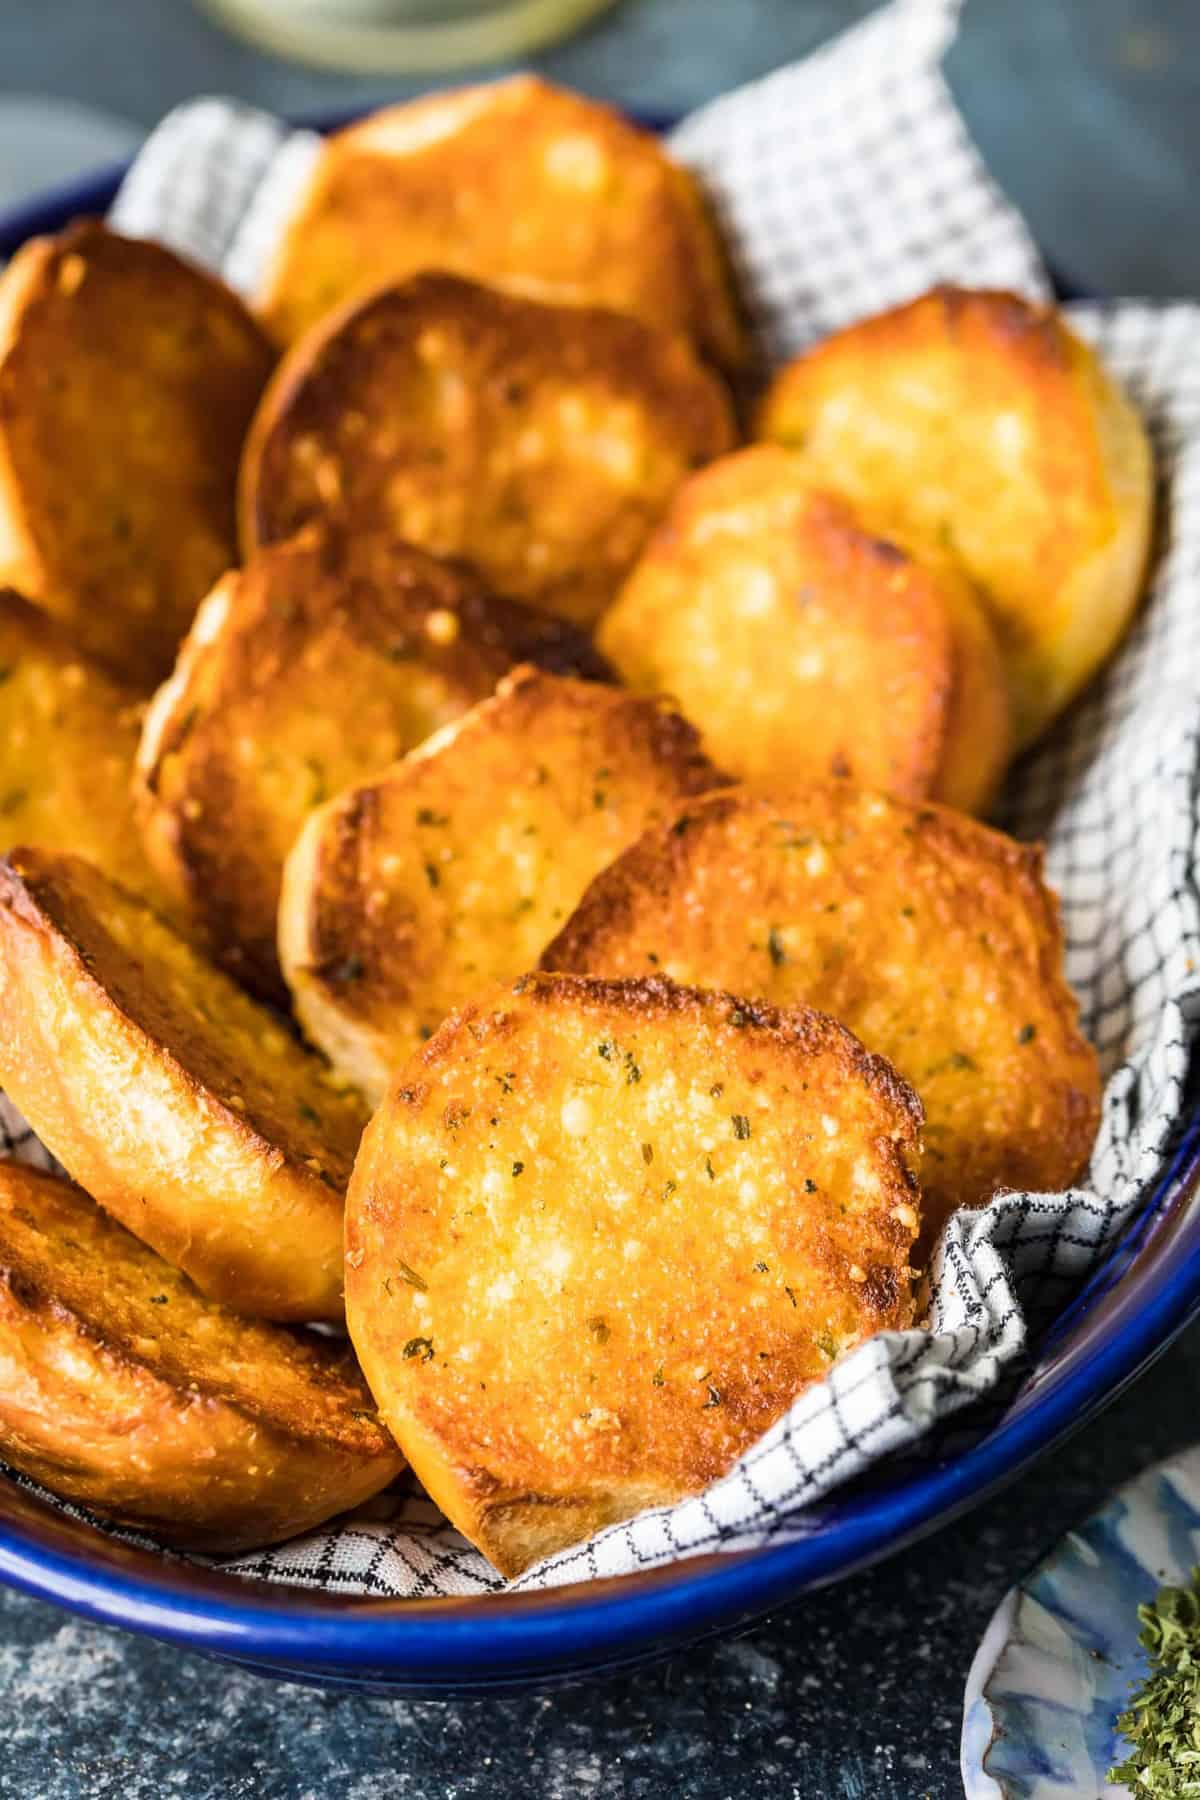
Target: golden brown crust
[(127, 382), (979, 726), (409, 892), (932, 938), (539, 442), (520, 184), (976, 421), (68, 736), (185, 1109), (322, 661), (126, 1391), (807, 646), (601, 1234)]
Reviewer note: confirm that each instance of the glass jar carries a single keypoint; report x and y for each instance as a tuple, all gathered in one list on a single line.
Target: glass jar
[(402, 36)]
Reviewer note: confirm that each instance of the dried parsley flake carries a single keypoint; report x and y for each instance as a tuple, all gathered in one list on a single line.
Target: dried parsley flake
[(1163, 1722), (349, 969)]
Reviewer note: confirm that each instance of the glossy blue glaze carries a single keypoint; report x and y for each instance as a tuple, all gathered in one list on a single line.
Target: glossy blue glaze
[(1058, 1662), (1125, 1317)]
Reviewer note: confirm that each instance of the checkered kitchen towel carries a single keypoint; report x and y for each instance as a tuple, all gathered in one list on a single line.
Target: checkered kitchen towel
[(845, 184)]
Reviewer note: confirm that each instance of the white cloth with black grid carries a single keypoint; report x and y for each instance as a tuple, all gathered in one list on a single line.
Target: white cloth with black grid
[(845, 184)]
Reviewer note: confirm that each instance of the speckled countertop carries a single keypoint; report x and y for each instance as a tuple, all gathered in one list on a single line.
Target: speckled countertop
[(854, 1694), (1087, 110)]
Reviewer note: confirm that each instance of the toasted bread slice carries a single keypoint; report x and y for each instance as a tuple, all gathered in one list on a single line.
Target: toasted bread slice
[(978, 422), (600, 1235), (808, 647), (182, 1106), (127, 1391), (68, 737), (321, 662), (540, 442), (409, 893), (932, 938), (520, 184), (127, 382)]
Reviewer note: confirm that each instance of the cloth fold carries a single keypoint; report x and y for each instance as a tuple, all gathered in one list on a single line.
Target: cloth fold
[(848, 183)]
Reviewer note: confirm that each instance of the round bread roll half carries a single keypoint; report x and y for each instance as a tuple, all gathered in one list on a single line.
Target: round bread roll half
[(539, 442), (125, 1390), (410, 892), (931, 937), (323, 660), (809, 647), (184, 1108), (517, 183), (977, 422), (600, 1236), (68, 738), (127, 382)]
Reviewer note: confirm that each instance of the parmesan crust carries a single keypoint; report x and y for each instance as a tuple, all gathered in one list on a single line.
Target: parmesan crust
[(410, 892), (600, 1236), (127, 1391), (520, 184), (185, 1109), (977, 423), (539, 442), (127, 382), (932, 938)]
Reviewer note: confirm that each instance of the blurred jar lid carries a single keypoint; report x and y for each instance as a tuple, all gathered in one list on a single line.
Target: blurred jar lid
[(402, 36)]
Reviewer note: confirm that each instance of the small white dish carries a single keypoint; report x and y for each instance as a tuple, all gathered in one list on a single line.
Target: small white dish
[(1061, 1654)]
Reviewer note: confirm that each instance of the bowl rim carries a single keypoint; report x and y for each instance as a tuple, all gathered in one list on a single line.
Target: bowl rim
[(486, 1639), (1144, 1294)]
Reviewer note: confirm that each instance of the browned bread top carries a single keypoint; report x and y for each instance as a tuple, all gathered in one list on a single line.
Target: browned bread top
[(540, 442), (517, 183), (321, 662), (601, 1234), (127, 381)]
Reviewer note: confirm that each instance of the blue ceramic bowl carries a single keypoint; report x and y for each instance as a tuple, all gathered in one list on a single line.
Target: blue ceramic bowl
[(1130, 1311)]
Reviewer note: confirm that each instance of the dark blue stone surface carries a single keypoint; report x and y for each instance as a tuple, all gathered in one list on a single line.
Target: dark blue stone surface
[(1087, 109), (853, 1694), (1088, 113)]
